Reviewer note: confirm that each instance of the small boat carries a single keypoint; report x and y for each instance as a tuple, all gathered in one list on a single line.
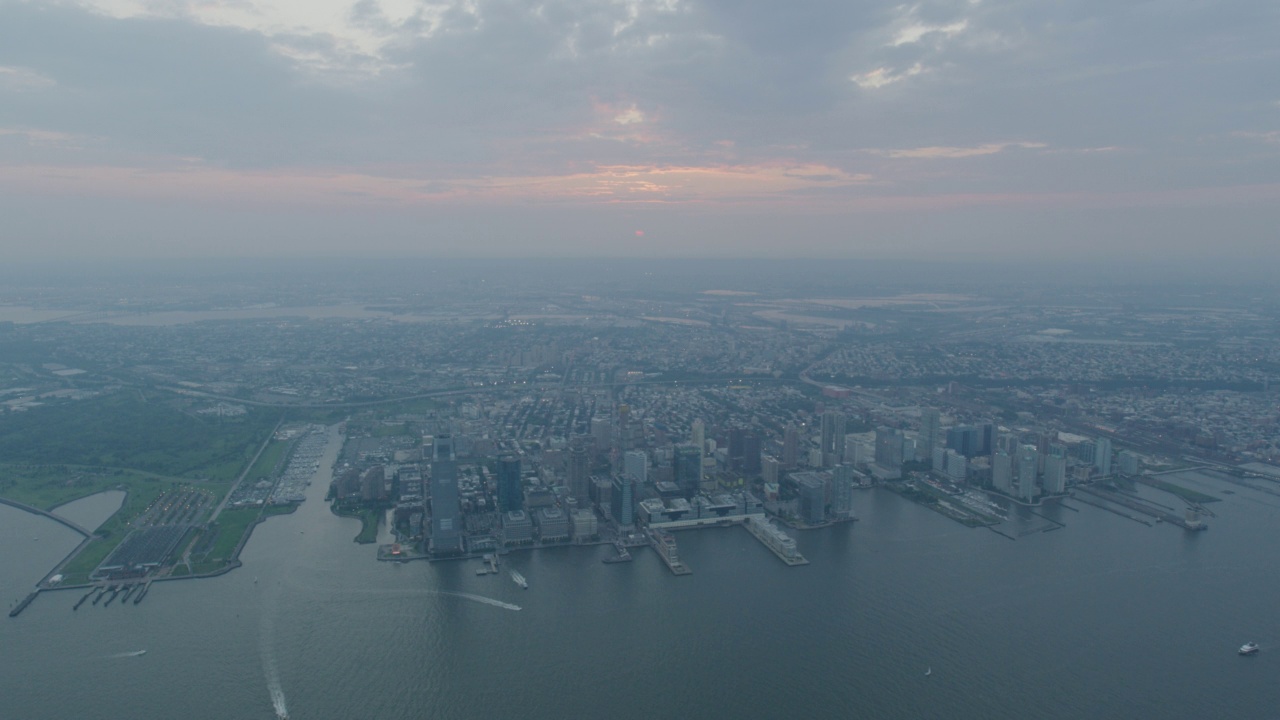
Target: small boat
[(928, 671), (1249, 648), (519, 580)]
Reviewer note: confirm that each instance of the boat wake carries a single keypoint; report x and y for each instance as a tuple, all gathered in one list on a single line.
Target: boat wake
[(478, 598), (267, 648), (134, 653)]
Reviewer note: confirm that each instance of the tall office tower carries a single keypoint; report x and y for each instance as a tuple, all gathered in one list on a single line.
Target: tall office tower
[(446, 520), (987, 431), (813, 499), (686, 469), (1008, 442), (1043, 440), (510, 492), (1129, 463), (842, 491), (854, 452), (1028, 461), (737, 449), (957, 466), (930, 426), (1055, 475), (1085, 452), (966, 439), (1102, 456), (602, 434), (833, 427), (889, 448), (790, 447), (938, 459), (751, 454), (579, 472), (1002, 472), (698, 435), (622, 500), (636, 464), (769, 469)]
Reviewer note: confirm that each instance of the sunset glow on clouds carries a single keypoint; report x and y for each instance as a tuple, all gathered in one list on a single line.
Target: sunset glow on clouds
[(405, 105)]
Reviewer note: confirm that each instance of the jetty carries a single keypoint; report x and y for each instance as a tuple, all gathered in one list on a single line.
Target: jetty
[(23, 605)]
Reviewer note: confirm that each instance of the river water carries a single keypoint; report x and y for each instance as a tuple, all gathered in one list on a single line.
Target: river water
[(1105, 618)]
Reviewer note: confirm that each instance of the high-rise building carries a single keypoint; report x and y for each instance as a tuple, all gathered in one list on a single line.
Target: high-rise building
[(842, 491), (1055, 475), (623, 500), (1028, 461), (1002, 472), (698, 435), (686, 469), (790, 447), (769, 468), (636, 464), (1085, 452), (930, 426), (510, 491), (1129, 463), (855, 453), (813, 500), (957, 466), (579, 472), (751, 454), (602, 434), (446, 520), (1102, 456), (833, 429), (889, 448)]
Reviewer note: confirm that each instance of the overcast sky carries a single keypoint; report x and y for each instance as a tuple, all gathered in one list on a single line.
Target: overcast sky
[(966, 128)]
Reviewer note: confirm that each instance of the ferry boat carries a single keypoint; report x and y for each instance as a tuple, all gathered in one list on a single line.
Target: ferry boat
[(519, 579), (1249, 648)]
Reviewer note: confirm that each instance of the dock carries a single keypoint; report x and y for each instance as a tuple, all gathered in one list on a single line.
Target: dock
[(782, 544), (666, 547), (623, 555), (23, 605), (1144, 507)]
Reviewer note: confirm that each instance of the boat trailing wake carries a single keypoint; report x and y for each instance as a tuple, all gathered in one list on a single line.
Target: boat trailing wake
[(266, 647), (134, 653), (477, 598), (277, 694)]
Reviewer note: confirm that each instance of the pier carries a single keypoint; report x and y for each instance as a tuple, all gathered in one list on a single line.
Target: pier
[(1144, 507), (665, 544), (23, 605), (782, 544)]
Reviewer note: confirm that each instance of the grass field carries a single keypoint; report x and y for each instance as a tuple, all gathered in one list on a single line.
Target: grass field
[(47, 486), (269, 462), (231, 527), (127, 430), (1183, 492), (368, 526)]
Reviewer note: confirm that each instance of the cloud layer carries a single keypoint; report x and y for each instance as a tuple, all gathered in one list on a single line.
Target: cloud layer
[(709, 109)]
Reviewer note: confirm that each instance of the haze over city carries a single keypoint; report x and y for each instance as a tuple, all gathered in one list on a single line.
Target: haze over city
[(388, 128), (639, 359)]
